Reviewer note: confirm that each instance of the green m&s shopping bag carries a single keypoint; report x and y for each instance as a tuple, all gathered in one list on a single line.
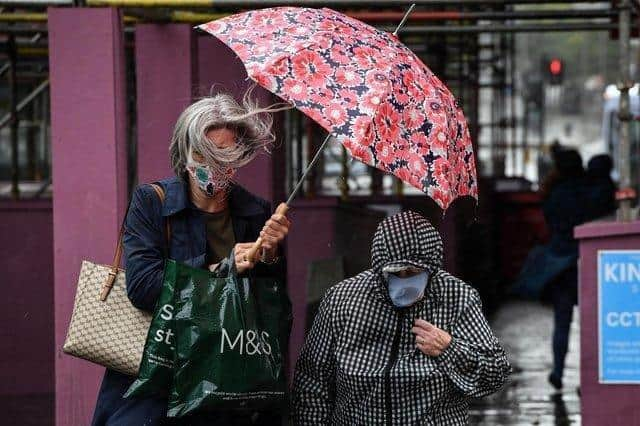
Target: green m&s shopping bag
[(231, 335), (156, 367)]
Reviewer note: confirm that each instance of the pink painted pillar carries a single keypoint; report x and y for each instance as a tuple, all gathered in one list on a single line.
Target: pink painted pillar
[(88, 120), (220, 70), (602, 404), (311, 238), (166, 78)]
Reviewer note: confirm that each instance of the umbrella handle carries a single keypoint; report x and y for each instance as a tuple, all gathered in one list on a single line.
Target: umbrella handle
[(282, 209)]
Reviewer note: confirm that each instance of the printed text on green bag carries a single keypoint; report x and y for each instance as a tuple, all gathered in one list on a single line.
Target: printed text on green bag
[(253, 342)]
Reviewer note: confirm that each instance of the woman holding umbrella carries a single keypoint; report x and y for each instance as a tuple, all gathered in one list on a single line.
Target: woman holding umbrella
[(209, 215)]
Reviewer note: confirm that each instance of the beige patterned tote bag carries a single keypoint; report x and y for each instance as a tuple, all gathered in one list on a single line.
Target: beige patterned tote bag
[(105, 327)]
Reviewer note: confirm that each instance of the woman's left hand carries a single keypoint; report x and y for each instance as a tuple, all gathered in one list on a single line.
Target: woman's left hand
[(430, 339), (274, 231)]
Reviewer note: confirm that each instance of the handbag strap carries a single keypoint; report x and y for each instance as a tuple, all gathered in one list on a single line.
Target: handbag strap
[(113, 272), (167, 223)]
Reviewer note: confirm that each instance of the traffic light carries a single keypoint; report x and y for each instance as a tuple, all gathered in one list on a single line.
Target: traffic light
[(555, 71)]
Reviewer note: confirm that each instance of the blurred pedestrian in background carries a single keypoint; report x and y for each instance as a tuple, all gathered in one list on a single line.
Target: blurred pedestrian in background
[(571, 197), (402, 343), (602, 188), (209, 215), (566, 205)]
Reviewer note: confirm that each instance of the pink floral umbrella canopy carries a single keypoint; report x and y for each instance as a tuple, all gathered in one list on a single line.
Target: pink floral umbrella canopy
[(363, 86)]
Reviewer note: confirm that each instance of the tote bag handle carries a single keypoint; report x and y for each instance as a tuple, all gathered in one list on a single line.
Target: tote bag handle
[(113, 272)]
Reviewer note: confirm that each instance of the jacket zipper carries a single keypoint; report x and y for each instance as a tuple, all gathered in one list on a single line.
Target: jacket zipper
[(387, 373)]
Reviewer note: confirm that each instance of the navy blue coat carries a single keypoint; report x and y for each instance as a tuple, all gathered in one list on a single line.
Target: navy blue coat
[(145, 250), (567, 206)]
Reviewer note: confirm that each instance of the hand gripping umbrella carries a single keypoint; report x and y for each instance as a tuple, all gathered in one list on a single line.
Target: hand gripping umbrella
[(366, 88)]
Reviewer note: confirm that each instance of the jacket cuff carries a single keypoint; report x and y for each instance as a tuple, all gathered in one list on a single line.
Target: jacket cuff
[(454, 355)]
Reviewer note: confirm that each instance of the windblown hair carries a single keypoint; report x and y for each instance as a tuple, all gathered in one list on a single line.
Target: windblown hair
[(250, 122)]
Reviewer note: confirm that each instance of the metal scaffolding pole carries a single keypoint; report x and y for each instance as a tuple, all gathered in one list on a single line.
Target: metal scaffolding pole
[(154, 13), (368, 3), (27, 3), (23, 103), (542, 125), (13, 114), (520, 28), (512, 105), (26, 29), (44, 145), (23, 17), (454, 15), (624, 214)]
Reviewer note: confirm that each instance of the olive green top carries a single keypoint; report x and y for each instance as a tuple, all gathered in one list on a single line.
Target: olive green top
[(220, 237)]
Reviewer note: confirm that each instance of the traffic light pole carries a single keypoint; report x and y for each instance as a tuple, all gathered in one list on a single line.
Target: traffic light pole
[(626, 194)]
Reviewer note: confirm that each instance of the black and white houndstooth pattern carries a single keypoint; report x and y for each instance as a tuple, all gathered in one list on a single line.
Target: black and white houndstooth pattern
[(348, 373)]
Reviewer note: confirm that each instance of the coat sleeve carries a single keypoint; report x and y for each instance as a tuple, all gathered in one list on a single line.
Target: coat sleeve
[(277, 270), (475, 361), (144, 246), (313, 393)]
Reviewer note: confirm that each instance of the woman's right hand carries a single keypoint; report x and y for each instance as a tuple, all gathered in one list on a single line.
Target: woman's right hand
[(242, 263)]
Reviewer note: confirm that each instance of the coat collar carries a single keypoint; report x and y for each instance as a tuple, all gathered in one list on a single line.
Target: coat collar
[(241, 202)]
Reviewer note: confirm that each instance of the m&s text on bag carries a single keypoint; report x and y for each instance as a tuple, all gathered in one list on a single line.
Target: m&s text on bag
[(249, 342)]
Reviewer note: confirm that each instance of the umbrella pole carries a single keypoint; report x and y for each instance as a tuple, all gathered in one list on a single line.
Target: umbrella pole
[(306, 172), (283, 208)]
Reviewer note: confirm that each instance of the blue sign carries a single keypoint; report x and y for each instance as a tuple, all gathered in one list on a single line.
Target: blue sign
[(619, 316)]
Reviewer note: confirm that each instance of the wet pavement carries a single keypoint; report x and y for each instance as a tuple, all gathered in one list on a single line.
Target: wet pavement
[(524, 328)]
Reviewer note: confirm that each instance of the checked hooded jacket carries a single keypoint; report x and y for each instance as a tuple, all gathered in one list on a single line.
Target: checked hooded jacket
[(360, 364)]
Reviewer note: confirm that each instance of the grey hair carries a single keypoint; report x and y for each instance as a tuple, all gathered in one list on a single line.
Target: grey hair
[(250, 122)]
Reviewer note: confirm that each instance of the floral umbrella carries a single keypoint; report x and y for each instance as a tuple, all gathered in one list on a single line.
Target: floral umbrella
[(363, 86)]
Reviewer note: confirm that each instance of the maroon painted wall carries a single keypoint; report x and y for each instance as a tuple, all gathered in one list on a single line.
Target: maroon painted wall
[(311, 238), (219, 69), (166, 76), (611, 405), (26, 305)]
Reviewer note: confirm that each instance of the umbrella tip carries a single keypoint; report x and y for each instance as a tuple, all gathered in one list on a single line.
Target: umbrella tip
[(404, 19)]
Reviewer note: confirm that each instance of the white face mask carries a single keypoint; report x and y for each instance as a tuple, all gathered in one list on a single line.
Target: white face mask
[(405, 292)]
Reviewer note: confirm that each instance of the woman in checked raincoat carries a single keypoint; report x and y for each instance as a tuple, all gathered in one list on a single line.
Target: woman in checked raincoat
[(403, 343)]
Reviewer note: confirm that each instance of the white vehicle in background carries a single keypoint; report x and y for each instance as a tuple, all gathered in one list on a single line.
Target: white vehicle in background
[(611, 125)]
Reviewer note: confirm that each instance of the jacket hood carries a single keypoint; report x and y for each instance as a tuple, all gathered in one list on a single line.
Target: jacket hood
[(406, 239)]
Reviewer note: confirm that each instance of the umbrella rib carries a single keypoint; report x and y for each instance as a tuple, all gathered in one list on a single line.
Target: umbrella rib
[(306, 172)]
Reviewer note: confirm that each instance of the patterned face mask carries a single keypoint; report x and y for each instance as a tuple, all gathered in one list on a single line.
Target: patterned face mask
[(209, 179)]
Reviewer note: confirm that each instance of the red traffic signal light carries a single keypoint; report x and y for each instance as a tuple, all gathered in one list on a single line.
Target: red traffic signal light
[(555, 67), (554, 70)]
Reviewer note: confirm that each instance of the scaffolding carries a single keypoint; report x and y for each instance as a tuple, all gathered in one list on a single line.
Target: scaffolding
[(469, 44)]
